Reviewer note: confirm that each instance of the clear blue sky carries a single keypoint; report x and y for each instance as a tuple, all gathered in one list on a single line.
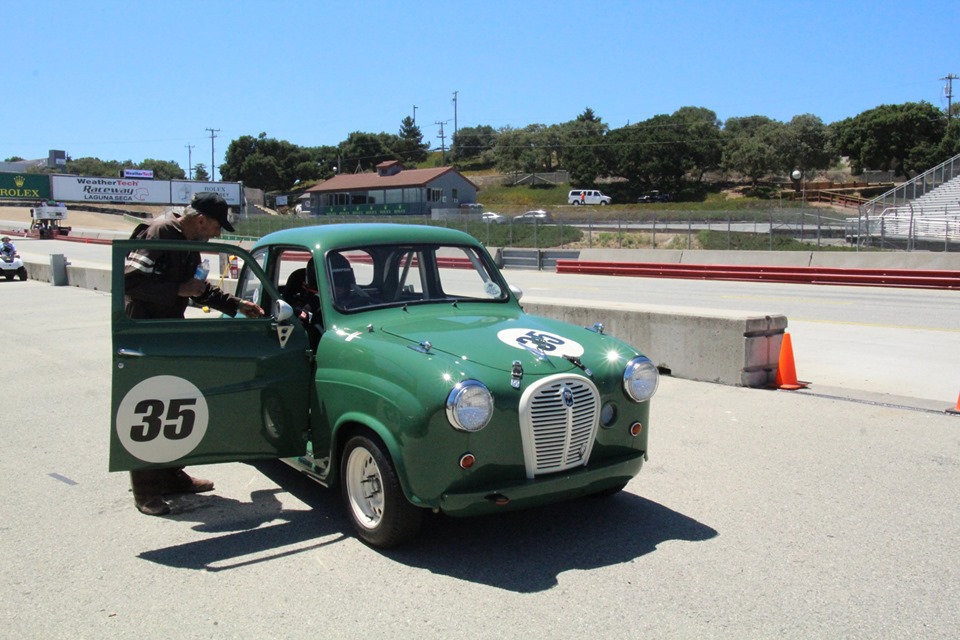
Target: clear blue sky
[(129, 80)]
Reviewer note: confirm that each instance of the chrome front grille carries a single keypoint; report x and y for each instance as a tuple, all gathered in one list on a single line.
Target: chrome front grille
[(559, 417)]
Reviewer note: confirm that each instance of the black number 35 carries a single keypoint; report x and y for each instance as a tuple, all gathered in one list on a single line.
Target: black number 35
[(180, 419)]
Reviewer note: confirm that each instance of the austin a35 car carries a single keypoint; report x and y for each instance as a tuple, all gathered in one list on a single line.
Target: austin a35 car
[(396, 365)]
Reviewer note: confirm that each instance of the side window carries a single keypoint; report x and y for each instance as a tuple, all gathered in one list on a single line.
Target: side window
[(296, 277), (463, 275), (352, 279), (410, 280)]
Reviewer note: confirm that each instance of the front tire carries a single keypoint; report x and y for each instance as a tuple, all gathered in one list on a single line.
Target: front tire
[(22, 272), (379, 511)]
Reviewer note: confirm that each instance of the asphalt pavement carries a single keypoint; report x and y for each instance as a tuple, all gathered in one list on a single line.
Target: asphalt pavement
[(761, 514)]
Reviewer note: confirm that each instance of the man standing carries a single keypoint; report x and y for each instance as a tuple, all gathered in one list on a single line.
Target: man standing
[(158, 283)]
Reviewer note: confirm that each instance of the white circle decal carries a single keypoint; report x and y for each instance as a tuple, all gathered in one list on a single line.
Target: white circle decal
[(162, 419), (547, 343)]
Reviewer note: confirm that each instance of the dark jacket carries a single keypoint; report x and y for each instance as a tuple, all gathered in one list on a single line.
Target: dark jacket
[(152, 277)]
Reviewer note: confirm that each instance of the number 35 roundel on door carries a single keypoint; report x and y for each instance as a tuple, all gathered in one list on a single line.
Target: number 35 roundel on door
[(162, 419)]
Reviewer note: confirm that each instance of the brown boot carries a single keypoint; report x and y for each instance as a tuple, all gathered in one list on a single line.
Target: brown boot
[(146, 485), (179, 482), (152, 505)]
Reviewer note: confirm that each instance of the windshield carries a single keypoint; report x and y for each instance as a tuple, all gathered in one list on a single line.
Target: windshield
[(388, 275)]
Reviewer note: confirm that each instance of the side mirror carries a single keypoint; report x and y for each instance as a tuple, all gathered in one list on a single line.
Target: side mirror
[(282, 311), (516, 291)]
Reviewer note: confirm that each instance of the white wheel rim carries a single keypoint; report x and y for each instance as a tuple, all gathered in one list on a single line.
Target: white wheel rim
[(364, 488)]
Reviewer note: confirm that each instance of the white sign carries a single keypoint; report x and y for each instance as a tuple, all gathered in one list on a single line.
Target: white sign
[(138, 173), (181, 192), (162, 419), (126, 190), (546, 343), (134, 191)]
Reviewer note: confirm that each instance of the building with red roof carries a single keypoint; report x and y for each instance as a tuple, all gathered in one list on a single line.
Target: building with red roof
[(392, 190)]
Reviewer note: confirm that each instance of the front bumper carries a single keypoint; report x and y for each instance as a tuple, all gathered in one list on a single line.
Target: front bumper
[(544, 489)]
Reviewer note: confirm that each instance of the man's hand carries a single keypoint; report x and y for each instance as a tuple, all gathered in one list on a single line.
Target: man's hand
[(192, 288), (250, 309)]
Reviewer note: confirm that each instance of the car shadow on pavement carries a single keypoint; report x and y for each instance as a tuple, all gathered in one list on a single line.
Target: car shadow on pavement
[(523, 551), (257, 530), (526, 551)]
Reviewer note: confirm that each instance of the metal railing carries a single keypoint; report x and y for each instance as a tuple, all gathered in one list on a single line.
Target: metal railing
[(913, 189)]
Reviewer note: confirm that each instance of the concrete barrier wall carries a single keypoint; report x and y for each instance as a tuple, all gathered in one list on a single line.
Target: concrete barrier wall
[(733, 348)]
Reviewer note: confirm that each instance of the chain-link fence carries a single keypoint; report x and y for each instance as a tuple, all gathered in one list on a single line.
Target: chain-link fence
[(754, 229)]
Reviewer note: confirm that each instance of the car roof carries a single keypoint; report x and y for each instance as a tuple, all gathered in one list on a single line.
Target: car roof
[(331, 236)]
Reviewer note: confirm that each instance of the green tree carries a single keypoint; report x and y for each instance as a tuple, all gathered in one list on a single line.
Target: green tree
[(410, 148), (200, 173), (585, 155), (95, 167), (665, 149), (270, 164), (163, 169), (751, 146), (806, 145), (472, 142), (531, 149), (901, 137), (363, 151)]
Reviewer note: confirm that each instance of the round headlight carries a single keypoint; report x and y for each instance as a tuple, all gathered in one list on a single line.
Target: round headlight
[(640, 379), (469, 406)]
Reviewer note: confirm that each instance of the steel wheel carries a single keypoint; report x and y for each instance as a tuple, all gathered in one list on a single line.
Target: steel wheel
[(371, 491)]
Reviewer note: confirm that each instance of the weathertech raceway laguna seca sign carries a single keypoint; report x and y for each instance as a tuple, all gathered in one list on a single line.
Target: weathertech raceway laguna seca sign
[(133, 191)]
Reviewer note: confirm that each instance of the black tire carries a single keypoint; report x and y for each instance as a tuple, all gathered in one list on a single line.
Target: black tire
[(22, 272), (8, 276), (379, 511)]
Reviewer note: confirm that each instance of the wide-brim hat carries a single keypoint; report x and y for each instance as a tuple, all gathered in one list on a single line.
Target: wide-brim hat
[(214, 206)]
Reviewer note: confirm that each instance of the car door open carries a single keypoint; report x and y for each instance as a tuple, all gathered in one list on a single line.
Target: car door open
[(210, 388)]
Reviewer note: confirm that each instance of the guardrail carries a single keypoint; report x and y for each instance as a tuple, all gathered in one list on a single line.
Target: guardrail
[(924, 279)]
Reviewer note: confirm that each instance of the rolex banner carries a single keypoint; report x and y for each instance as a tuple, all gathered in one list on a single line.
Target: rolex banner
[(24, 186)]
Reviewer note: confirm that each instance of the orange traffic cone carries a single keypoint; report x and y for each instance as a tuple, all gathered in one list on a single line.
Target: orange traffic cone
[(786, 370), (956, 409)]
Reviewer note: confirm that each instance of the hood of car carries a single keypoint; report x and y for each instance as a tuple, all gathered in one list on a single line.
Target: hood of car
[(496, 340)]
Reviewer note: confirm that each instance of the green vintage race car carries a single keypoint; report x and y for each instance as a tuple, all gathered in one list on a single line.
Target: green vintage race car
[(398, 365)]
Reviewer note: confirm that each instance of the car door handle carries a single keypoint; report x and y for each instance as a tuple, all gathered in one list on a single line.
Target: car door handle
[(130, 353)]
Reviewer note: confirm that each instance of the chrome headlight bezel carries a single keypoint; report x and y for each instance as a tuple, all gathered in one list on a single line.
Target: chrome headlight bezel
[(469, 406), (640, 379)]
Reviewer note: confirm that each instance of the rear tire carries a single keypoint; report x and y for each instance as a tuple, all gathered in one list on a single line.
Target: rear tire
[(378, 509)]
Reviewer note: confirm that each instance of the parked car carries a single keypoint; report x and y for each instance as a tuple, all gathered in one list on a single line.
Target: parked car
[(396, 366), (587, 196), (491, 217), (654, 196), (535, 216)]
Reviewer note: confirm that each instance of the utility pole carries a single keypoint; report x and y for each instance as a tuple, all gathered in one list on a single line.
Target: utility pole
[(443, 147), (948, 92), (455, 114), (213, 167), (414, 115), (190, 160)]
